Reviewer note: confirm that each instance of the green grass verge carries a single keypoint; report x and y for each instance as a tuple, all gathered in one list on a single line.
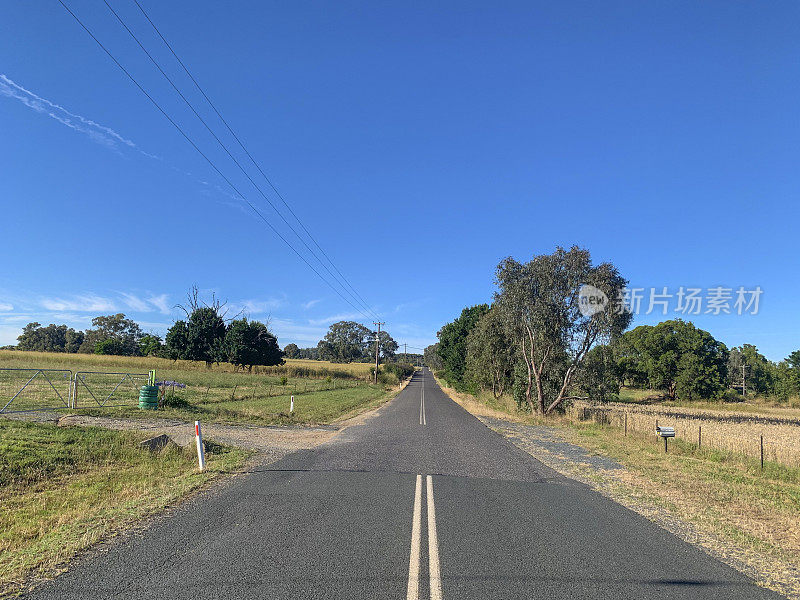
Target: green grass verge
[(255, 407), (62, 489), (323, 391)]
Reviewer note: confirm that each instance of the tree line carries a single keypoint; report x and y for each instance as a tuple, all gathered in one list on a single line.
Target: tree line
[(203, 336), (207, 335), (536, 342), (348, 341)]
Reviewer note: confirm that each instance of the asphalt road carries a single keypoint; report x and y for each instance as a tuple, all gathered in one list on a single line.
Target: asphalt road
[(421, 501)]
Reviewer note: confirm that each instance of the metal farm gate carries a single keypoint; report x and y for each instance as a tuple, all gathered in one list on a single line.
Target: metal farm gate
[(23, 390), (91, 389)]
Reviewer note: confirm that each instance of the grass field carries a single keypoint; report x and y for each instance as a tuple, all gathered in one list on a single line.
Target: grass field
[(323, 391), (63, 488), (86, 362), (252, 405), (756, 405)]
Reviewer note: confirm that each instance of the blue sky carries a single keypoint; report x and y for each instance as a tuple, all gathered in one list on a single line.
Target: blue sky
[(420, 142)]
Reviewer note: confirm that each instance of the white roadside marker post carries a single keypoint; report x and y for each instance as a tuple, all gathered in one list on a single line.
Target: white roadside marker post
[(201, 455), (291, 405)]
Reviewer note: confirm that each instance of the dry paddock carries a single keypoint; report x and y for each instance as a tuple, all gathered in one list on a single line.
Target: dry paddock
[(742, 433)]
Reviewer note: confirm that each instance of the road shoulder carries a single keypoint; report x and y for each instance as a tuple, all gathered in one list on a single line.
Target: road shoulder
[(561, 451)]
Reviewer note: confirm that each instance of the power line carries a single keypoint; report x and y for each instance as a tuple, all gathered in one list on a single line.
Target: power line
[(232, 157), (247, 152), (253, 160), (210, 162)]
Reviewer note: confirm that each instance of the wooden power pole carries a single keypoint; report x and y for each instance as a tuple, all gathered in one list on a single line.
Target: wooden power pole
[(377, 347), (744, 380)]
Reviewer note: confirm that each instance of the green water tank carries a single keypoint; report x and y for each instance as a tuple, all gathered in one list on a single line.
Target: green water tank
[(148, 397)]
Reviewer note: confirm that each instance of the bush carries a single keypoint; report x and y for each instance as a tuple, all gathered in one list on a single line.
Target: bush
[(393, 373), (110, 346), (730, 395)]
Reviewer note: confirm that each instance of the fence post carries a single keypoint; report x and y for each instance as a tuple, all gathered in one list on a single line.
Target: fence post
[(626, 422), (699, 436), (762, 450)]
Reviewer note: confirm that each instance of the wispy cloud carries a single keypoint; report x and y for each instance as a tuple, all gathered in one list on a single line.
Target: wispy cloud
[(160, 302), (136, 303), (5, 307), (310, 303), (80, 303), (257, 307), (102, 134), (95, 131), (335, 318), (289, 331)]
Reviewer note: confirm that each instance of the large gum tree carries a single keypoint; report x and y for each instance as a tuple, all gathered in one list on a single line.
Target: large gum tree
[(538, 303)]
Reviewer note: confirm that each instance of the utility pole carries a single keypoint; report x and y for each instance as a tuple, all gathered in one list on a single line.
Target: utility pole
[(744, 379), (377, 346), (405, 351)]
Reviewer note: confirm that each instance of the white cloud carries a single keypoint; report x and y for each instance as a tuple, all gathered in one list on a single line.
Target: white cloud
[(255, 307), (310, 303), (135, 303), (338, 317), (302, 335), (160, 302), (80, 303), (96, 132), (8, 335), (5, 307), (18, 318)]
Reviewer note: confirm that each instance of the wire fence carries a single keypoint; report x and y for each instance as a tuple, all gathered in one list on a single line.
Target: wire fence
[(768, 438)]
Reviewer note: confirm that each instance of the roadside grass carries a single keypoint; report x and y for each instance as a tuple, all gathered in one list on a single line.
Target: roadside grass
[(755, 405), (255, 407), (63, 489), (723, 493), (717, 489), (323, 391)]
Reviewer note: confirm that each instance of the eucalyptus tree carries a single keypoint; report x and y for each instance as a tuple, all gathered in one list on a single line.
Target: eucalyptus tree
[(490, 357), (346, 341), (387, 346), (453, 343), (539, 303)]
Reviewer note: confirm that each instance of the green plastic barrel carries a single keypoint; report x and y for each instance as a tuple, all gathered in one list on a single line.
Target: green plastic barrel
[(148, 397)]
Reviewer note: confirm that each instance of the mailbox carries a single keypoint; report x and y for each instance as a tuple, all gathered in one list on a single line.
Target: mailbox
[(665, 432)]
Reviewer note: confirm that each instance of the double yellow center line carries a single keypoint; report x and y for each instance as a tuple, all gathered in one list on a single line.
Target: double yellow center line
[(434, 574)]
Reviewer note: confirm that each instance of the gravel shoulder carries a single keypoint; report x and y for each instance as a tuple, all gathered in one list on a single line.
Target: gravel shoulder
[(613, 480)]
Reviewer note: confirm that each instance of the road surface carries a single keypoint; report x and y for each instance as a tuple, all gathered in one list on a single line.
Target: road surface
[(420, 501)]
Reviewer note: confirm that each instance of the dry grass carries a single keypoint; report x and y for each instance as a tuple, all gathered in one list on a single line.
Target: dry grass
[(741, 513), (142, 364), (719, 430), (63, 489), (753, 516)]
